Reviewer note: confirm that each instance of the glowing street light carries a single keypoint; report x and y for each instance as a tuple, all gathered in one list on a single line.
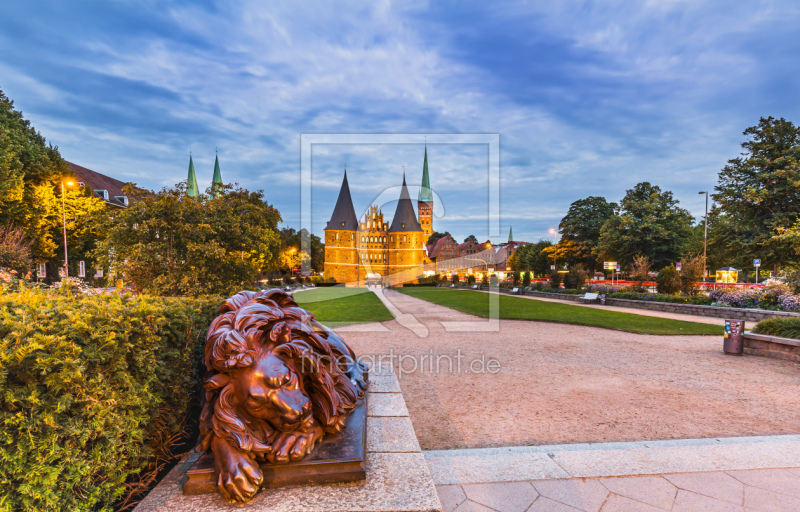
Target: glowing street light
[(64, 218)]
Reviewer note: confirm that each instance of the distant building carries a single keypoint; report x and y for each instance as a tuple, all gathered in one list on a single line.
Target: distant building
[(373, 248), (444, 253), (105, 187)]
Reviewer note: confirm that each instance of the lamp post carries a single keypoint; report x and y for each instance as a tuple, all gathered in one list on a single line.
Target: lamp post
[(705, 237), (555, 249), (64, 219)]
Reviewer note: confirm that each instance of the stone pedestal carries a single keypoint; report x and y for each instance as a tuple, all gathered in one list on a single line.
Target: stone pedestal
[(397, 476)]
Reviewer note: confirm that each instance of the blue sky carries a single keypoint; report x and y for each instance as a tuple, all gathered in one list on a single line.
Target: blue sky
[(588, 98)]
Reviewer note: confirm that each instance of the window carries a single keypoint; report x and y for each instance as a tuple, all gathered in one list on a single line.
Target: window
[(337, 236), (102, 194), (122, 199), (81, 269), (41, 270), (404, 237), (362, 239)]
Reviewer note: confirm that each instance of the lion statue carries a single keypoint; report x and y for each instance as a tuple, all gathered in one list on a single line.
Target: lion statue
[(277, 382)]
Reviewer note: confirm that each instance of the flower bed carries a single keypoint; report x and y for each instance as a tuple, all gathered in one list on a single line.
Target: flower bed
[(701, 300)]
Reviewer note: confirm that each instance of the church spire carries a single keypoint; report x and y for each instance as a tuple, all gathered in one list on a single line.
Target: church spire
[(425, 190), (217, 179), (510, 234), (344, 215), (191, 181), (404, 218)]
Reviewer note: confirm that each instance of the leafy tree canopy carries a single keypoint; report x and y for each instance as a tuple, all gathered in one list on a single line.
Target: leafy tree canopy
[(291, 254), (649, 223), (531, 258), (580, 229), (168, 243), (758, 192), (30, 190), (471, 238)]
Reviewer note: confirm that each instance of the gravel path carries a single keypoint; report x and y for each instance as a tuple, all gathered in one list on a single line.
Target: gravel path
[(565, 383)]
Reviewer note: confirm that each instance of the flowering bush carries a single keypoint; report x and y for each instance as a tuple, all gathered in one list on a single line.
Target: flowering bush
[(775, 297), (605, 288)]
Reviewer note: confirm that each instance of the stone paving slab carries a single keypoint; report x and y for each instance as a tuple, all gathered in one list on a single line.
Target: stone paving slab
[(735, 474)]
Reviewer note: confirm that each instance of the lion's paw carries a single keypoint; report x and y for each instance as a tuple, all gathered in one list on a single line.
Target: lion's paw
[(294, 446), (238, 476)]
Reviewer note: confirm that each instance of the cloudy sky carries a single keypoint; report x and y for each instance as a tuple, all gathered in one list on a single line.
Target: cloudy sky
[(587, 98)]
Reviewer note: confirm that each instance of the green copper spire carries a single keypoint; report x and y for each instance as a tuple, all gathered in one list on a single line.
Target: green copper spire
[(191, 181), (217, 179), (510, 235), (425, 190)]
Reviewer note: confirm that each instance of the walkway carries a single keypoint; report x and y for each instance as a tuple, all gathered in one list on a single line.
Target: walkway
[(633, 311), (594, 384), (733, 474)]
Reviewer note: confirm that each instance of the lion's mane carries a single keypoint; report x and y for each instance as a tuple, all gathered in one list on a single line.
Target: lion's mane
[(251, 323)]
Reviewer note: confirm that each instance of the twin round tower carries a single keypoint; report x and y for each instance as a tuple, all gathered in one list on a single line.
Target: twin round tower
[(371, 249)]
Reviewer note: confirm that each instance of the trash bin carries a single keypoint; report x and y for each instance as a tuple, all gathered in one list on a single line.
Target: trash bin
[(603, 299), (734, 337)]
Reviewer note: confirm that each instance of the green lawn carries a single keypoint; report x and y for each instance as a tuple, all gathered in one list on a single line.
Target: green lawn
[(337, 305), (518, 308)]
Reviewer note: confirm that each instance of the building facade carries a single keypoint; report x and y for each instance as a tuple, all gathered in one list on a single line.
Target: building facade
[(371, 249)]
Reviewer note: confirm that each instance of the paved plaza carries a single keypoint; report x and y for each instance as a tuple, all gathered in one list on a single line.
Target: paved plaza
[(594, 419)]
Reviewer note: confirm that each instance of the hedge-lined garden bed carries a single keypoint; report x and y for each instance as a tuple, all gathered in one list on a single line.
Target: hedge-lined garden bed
[(782, 327), (95, 392)]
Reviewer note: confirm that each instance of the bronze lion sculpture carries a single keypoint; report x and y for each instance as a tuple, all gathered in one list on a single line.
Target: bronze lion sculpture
[(277, 381)]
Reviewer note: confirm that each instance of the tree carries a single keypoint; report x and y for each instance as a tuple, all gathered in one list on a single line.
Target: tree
[(435, 236), (471, 238), (649, 222), (455, 278), (30, 192), (575, 278), (580, 229), (526, 279), (690, 274), (15, 251), (291, 255), (758, 192), (171, 244), (640, 271), (531, 258)]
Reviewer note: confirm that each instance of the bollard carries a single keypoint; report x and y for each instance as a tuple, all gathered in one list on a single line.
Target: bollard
[(733, 343)]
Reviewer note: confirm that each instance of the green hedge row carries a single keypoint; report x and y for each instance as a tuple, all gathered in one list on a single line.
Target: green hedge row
[(94, 391), (784, 327)]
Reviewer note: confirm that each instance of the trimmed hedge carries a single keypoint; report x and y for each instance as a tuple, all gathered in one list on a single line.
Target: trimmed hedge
[(783, 327), (94, 390)]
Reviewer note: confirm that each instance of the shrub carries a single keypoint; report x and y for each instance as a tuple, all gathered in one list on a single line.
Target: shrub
[(605, 289), (470, 279), (575, 278), (494, 280), (782, 327), (668, 280), (96, 391), (514, 279), (15, 250), (691, 272), (526, 278), (455, 279), (555, 279), (640, 271), (700, 300)]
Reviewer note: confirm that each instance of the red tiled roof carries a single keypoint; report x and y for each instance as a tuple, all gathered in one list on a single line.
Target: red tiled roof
[(440, 245), (96, 181)]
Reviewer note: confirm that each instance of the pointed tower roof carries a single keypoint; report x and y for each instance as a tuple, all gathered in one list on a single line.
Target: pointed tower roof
[(425, 190), (191, 181), (404, 217), (344, 215), (510, 234), (217, 179)]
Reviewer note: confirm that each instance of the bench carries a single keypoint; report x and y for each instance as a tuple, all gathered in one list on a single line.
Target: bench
[(589, 298), (515, 291), (474, 286)]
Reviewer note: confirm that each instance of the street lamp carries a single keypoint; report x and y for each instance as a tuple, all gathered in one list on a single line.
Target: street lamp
[(555, 248), (705, 237), (64, 218)]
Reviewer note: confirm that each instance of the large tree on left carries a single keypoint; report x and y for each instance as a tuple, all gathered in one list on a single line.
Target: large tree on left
[(30, 189)]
